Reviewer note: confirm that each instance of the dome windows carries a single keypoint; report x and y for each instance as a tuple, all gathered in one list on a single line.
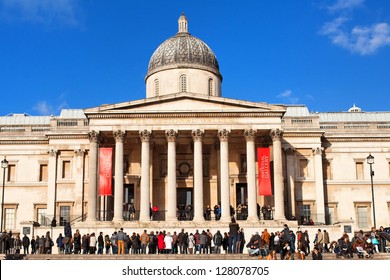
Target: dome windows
[(210, 87), (183, 83), (156, 87)]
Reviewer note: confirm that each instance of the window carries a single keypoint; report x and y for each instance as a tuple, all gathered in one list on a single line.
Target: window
[(329, 215), (210, 86), (183, 83), (9, 218), (66, 169), (156, 87), (11, 173), (64, 215), (43, 173), (362, 216), (305, 214), (41, 217), (359, 170), (303, 170)]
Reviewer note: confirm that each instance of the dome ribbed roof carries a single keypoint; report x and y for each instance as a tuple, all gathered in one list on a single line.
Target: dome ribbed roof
[(183, 51)]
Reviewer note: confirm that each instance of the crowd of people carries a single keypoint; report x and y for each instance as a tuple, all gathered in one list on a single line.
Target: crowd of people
[(284, 244)]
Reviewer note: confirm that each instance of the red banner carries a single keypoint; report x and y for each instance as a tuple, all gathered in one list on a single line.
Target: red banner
[(263, 161), (105, 171)]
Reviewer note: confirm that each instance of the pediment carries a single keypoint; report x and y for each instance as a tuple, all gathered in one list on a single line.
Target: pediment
[(184, 103)]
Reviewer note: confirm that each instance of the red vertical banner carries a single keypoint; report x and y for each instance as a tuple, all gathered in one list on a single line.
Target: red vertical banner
[(264, 171), (105, 171)]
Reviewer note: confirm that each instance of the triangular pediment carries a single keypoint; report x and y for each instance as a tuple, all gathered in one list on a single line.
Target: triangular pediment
[(185, 102)]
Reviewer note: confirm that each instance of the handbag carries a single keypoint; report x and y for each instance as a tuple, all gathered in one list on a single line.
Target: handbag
[(374, 241)]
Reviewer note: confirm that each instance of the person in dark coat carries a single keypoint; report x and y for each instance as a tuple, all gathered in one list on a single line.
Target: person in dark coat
[(26, 243)]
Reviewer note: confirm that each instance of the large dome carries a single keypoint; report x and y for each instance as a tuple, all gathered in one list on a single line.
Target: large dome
[(183, 51)]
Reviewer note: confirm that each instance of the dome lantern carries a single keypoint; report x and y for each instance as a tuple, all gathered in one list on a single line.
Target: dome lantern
[(183, 24)]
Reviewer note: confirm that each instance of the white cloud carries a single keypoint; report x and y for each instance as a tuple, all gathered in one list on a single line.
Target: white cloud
[(288, 97), (345, 5), (362, 40), (41, 11), (43, 108)]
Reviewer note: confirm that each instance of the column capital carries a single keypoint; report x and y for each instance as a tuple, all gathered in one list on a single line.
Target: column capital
[(197, 135), (317, 150), (171, 135), (79, 152), (94, 136), (119, 135), (250, 134), (276, 134), (52, 153), (223, 135), (289, 151), (145, 135)]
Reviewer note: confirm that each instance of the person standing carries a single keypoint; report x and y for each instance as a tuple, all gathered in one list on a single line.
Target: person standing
[(60, 244), (107, 243), (26, 243), (233, 232), (191, 243), (92, 243), (121, 242), (100, 241), (326, 241), (320, 240), (180, 241), (217, 242), (33, 245), (144, 241), (17, 244), (77, 242), (168, 240)]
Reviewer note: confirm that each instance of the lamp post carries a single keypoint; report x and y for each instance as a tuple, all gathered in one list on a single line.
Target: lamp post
[(370, 161), (4, 165)]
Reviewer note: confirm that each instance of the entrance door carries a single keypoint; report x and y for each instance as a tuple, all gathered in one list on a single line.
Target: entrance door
[(184, 203), (128, 197), (241, 193), (241, 201)]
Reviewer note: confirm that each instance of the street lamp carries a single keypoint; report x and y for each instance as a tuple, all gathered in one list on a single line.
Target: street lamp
[(370, 161), (4, 165)]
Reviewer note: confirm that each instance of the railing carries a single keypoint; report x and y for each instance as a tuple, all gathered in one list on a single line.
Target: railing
[(311, 220)]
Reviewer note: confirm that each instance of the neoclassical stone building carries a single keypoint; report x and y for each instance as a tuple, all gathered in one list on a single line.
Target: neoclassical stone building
[(184, 144)]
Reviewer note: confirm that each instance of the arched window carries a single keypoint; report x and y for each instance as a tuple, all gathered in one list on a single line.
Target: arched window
[(156, 87), (210, 86), (183, 83)]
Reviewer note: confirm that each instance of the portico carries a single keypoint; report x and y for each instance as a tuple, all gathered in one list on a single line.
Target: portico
[(191, 149)]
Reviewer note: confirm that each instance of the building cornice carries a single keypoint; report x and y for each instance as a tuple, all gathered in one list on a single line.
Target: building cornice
[(79, 136), (303, 134), (183, 115), (24, 142), (357, 139)]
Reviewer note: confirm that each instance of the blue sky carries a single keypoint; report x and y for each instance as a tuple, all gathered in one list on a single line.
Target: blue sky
[(326, 54)]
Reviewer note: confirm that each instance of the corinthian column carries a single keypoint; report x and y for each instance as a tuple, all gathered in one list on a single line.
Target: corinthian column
[(223, 136), (79, 181), (197, 136), (118, 199), (320, 200), (276, 135), (290, 180), (250, 135), (145, 136), (92, 180), (171, 202)]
